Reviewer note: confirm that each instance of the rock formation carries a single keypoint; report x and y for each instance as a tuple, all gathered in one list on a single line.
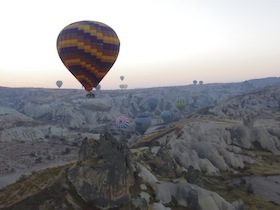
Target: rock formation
[(104, 173)]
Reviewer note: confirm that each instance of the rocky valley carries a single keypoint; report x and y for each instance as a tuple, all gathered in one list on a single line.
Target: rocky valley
[(221, 150)]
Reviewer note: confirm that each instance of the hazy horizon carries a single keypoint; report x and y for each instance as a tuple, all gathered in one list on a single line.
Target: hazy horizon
[(134, 88)]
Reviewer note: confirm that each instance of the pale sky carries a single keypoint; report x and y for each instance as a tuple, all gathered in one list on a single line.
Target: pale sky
[(163, 42)]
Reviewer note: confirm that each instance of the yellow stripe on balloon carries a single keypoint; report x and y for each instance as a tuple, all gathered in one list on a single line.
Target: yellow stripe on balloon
[(93, 32), (86, 48), (108, 59), (72, 62), (99, 35)]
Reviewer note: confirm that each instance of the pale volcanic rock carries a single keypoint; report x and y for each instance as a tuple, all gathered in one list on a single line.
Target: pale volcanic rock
[(145, 174), (32, 133), (21, 134), (253, 104), (160, 206), (204, 147), (10, 117), (190, 196), (248, 137)]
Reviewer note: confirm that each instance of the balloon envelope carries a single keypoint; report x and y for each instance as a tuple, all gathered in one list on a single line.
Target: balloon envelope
[(122, 78), (122, 122), (59, 83), (142, 123), (181, 104), (166, 116), (88, 49), (152, 102), (195, 95), (123, 86)]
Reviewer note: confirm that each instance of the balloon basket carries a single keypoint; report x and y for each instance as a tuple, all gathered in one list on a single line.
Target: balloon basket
[(90, 95)]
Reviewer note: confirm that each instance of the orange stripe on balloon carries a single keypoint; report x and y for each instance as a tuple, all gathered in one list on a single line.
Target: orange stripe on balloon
[(84, 64), (81, 77)]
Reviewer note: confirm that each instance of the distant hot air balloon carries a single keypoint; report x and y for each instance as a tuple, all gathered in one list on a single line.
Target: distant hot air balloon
[(59, 83), (195, 95), (181, 104), (122, 122), (152, 103), (123, 86), (142, 123), (194, 82), (166, 116), (200, 82), (122, 78), (88, 49)]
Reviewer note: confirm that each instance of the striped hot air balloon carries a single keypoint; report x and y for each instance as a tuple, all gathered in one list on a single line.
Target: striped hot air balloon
[(122, 122), (88, 49), (181, 104)]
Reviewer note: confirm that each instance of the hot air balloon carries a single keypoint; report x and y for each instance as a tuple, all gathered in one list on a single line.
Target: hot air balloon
[(122, 122), (181, 104), (88, 49), (142, 123), (152, 103), (195, 95), (166, 116), (194, 82), (122, 78), (59, 83), (123, 86)]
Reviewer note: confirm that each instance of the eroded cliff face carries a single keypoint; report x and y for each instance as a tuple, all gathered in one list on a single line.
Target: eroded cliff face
[(104, 173)]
